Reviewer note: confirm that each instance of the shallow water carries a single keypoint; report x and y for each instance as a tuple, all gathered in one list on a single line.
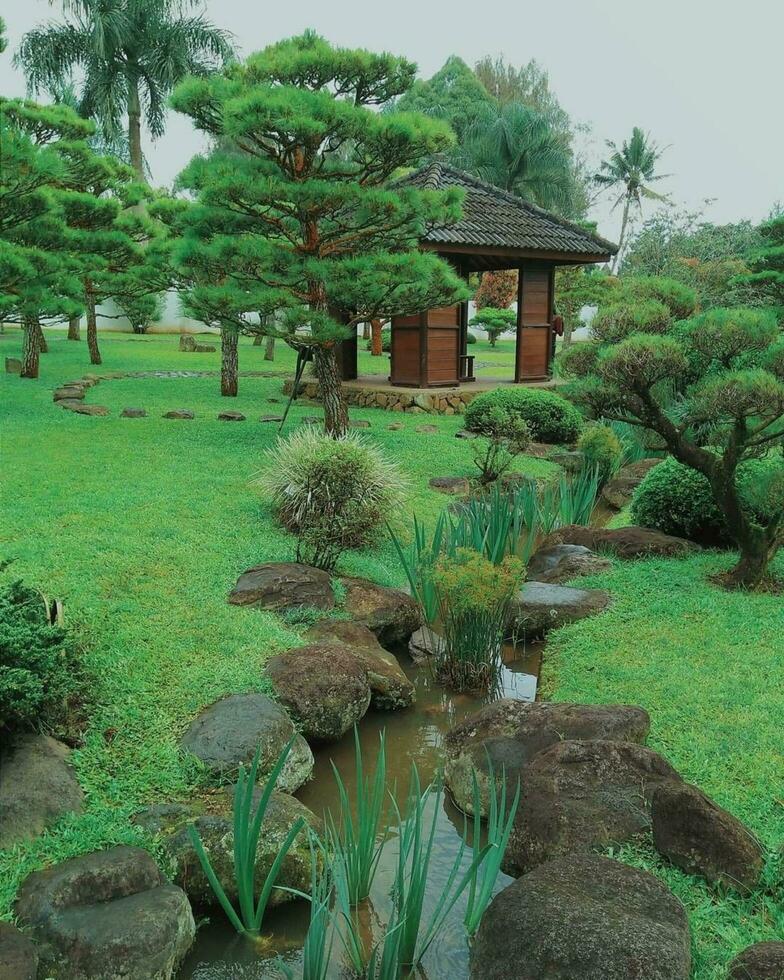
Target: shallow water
[(415, 734)]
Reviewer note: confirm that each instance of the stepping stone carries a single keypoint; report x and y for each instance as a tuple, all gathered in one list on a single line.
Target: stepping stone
[(449, 484), (324, 688), (540, 607), (71, 392), (623, 542), (583, 917), (701, 838), (427, 430), (179, 413), (80, 409), (359, 424), (465, 434), (284, 585), (310, 420), (37, 787), (762, 961), (231, 417), (133, 413), (69, 404), (85, 912), (509, 733), (395, 426), (13, 365), (18, 955), (271, 418), (391, 614), (560, 562), (584, 795), (228, 733)]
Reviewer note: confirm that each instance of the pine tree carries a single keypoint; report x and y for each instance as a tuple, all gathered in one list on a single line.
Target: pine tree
[(293, 214), (767, 263)]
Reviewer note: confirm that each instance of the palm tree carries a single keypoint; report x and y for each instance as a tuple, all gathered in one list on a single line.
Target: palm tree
[(632, 168), (517, 149), (130, 54)]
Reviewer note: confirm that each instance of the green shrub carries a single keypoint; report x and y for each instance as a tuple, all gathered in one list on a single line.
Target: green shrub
[(680, 299), (602, 450), (39, 668), (334, 494), (677, 499), (549, 417), (616, 321), (470, 337), (506, 436)]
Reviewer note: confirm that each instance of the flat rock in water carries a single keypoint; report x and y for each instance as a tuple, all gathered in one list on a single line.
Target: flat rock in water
[(389, 687), (391, 614), (701, 838), (623, 542), (179, 413), (86, 911), (762, 961), (583, 795), (561, 562), (283, 585), (216, 830), (507, 734), (228, 733), (449, 484), (423, 644), (133, 413), (619, 491), (231, 417), (37, 787), (540, 607), (18, 955), (324, 688), (583, 917)]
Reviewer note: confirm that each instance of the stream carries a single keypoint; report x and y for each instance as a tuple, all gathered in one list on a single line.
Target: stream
[(414, 734)]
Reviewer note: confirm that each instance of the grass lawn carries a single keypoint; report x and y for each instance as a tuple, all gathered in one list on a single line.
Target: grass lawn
[(142, 526)]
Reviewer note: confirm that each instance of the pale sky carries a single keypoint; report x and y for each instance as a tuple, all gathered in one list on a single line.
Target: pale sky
[(704, 77)]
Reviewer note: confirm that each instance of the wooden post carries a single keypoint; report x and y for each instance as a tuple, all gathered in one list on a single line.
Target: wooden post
[(423, 379)]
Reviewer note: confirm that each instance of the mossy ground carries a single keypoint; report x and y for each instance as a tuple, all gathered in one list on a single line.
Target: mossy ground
[(143, 525)]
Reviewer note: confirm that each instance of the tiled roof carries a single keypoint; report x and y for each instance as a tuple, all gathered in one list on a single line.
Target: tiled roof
[(494, 218)]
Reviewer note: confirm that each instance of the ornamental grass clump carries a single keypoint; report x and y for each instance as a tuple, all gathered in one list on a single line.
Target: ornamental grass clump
[(333, 494), (474, 596)]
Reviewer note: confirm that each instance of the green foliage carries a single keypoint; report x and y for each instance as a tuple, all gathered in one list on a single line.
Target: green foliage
[(386, 340), (728, 338), (602, 450), (505, 436), (470, 337), (497, 289), (40, 672), (767, 263), (678, 500), (680, 299), (621, 318), (453, 94), (495, 321), (248, 822), (334, 494), (549, 417), (474, 596), (570, 500)]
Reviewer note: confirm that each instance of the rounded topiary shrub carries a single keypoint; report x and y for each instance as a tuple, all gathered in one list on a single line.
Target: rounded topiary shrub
[(470, 337), (549, 417), (602, 450), (680, 299), (616, 321), (677, 499)]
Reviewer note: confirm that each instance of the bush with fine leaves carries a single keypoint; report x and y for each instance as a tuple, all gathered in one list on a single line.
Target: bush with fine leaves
[(39, 670), (618, 320), (549, 417), (602, 450), (680, 299), (333, 494)]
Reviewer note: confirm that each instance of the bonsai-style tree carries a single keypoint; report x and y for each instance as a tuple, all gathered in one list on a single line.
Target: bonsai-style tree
[(494, 321), (293, 213), (712, 387), (767, 263)]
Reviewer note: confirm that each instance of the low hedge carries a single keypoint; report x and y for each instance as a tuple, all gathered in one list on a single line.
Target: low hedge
[(549, 417)]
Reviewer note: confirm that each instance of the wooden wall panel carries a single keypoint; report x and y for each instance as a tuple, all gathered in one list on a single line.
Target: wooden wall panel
[(405, 360), (534, 333), (443, 354), (444, 316), (536, 296), (534, 352)]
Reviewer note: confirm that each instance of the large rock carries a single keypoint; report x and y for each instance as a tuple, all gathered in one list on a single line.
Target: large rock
[(18, 955), (37, 787), (507, 734), (105, 916), (230, 731), (216, 830), (392, 614), (700, 837), (424, 644), (561, 562), (583, 917), (762, 961), (540, 607), (580, 795), (389, 687), (623, 542), (283, 585), (324, 688), (618, 491)]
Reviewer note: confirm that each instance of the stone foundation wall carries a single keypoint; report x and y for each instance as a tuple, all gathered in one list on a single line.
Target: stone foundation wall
[(439, 401)]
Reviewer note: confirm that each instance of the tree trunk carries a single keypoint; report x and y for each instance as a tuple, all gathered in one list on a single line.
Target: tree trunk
[(269, 349), (376, 339), (30, 328), (43, 347), (229, 345), (135, 128), (325, 363), (752, 567), (258, 339), (366, 331), (624, 220), (74, 323), (92, 324), (566, 340)]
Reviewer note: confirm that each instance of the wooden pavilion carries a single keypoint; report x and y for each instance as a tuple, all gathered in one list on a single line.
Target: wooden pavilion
[(497, 230)]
